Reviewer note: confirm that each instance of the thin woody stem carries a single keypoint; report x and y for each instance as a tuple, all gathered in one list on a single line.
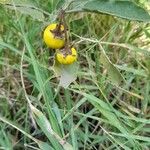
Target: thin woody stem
[(67, 6), (61, 15), (67, 43), (58, 31)]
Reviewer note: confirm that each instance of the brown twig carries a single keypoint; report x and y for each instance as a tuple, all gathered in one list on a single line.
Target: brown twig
[(67, 41), (57, 32)]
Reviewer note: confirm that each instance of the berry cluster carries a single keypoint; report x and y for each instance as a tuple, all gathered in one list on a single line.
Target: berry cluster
[(56, 37)]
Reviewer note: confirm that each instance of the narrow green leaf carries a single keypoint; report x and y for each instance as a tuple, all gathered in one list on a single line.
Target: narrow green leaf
[(45, 146), (13, 49), (124, 9), (42, 83), (107, 112), (45, 126), (16, 126), (138, 137), (5, 140), (141, 72)]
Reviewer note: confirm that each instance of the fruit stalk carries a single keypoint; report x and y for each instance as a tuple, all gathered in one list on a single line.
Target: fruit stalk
[(67, 42)]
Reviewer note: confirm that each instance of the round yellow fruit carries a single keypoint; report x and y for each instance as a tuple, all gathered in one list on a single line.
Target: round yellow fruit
[(54, 39), (67, 59)]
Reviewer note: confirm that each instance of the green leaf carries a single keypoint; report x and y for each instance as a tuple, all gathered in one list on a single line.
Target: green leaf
[(4, 1), (108, 112), (137, 72), (17, 2), (67, 73), (35, 14), (124, 9), (43, 86), (5, 140), (45, 126), (16, 126), (25, 7), (113, 72), (44, 146)]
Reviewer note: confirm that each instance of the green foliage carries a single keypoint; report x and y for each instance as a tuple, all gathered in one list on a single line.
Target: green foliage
[(123, 9), (120, 8), (93, 111), (48, 131)]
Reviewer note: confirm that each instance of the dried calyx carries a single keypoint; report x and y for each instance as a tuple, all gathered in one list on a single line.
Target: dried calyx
[(66, 51), (58, 31)]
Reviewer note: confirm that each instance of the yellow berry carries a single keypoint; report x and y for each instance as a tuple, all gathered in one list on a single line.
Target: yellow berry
[(51, 39), (68, 59)]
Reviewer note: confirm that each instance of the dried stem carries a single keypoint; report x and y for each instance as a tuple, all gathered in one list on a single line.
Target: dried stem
[(61, 16), (67, 42), (57, 31)]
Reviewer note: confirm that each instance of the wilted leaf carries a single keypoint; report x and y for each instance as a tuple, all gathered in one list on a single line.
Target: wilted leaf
[(124, 9), (113, 72), (67, 73)]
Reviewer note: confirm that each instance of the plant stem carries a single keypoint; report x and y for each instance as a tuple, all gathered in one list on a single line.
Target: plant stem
[(61, 15), (67, 42)]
